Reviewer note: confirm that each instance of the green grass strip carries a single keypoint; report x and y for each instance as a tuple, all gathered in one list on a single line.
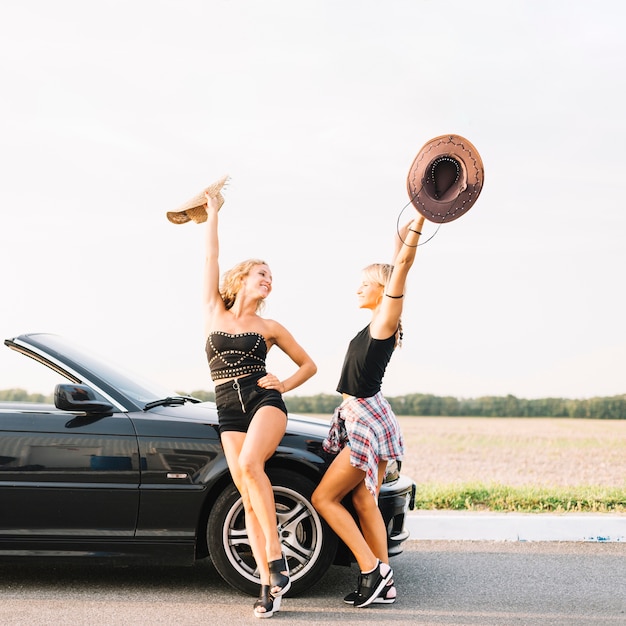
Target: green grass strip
[(531, 499)]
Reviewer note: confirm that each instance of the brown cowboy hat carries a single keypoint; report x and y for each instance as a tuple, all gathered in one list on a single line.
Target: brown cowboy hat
[(195, 209), (445, 178)]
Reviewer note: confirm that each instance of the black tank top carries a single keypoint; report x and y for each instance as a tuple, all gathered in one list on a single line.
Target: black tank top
[(365, 364), (234, 355)]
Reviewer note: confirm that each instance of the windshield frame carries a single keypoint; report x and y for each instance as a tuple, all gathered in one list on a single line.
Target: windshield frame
[(126, 390)]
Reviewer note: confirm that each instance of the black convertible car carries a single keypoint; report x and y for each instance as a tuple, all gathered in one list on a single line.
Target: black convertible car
[(119, 470)]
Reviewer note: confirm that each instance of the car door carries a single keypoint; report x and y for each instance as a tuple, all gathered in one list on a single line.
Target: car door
[(180, 453), (67, 476)]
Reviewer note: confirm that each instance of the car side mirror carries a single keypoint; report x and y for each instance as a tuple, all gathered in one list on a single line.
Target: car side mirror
[(79, 398)]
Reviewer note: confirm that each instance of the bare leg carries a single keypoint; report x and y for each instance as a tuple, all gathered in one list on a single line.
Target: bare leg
[(264, 434), (232, 443), (370, 518), (246, 454), (339, 480)]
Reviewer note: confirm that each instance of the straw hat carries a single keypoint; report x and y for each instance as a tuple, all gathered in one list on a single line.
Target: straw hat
[(195, 209), (445, 178)]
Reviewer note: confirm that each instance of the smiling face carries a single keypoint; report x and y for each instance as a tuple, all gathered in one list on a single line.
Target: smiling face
[(369, 293), (252, 276), (372, 287), (259, 280)]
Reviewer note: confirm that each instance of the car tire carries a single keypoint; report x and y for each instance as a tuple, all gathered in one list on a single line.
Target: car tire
[(307, 541)]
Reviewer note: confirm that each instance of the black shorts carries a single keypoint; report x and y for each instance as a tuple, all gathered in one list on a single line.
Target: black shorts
[(239, 400)]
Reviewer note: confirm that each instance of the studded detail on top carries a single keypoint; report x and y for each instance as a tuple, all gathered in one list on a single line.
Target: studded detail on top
[(233, 355)]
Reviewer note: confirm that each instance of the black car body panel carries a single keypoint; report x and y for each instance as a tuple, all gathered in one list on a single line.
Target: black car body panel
[(136, 474)]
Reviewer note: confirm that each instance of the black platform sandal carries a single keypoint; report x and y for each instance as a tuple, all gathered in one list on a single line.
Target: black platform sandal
[(267, 604), (280, 583)]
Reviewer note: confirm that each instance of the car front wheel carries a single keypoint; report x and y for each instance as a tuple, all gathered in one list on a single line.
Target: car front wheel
[(306, 540)]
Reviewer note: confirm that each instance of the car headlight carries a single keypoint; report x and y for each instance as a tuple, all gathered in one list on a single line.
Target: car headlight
[(392, 472)]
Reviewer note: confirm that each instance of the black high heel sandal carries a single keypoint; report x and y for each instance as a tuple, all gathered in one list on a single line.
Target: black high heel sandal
[(267, 602), (279, 581)]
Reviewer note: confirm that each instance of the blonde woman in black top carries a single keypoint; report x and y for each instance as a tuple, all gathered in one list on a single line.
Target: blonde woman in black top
[(364, 432), (252, 415)]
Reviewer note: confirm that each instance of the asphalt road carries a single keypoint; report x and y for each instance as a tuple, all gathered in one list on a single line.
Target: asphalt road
[(439, 582)]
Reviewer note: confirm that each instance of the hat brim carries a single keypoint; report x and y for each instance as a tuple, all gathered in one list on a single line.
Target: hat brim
[(445, 178), (194, 210)]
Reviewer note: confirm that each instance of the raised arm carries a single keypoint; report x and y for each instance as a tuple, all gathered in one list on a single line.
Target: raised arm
[(388, 318), (211, 297)]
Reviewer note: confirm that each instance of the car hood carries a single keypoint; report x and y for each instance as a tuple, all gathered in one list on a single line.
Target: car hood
[(204, 412)]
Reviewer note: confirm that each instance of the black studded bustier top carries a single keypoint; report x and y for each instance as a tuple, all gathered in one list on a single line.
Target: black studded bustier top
[(231, 356)]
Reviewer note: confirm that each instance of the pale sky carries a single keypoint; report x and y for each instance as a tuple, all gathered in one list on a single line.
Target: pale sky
[(115, 112)]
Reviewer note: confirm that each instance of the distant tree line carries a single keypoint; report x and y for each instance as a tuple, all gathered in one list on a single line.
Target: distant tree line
[(21, 395), (611, 407), (428, 405)]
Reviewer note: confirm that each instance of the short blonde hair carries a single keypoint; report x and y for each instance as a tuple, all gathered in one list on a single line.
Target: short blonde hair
[(380, 273), (233, 279)]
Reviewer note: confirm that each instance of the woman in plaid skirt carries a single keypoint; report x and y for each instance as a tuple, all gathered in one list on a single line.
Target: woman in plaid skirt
[(364, 432)]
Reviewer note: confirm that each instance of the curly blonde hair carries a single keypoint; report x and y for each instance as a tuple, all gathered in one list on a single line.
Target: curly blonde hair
[(380, 273), (233, 279)]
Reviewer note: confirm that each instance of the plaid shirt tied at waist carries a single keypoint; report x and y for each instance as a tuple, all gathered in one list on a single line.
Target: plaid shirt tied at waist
[(370, 428)]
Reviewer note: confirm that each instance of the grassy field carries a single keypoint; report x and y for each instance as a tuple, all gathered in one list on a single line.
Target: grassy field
[(516, 464)]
